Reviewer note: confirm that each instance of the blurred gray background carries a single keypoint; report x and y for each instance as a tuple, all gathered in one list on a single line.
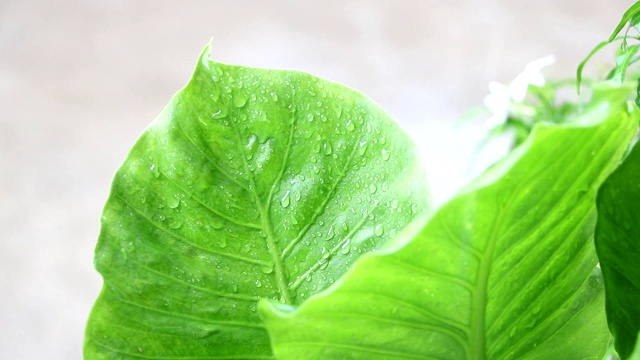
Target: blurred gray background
[(80, 80)]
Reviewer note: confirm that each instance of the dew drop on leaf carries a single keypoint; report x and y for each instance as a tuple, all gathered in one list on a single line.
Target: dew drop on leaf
[(414, 208), (373, 188), (385, 154), (379, 230), (362, 149), (350, 125), (346, 247), (285, 200), (173, 201), (327, 148), (154, 170), (258, 283), (324, 263), (267, 268), (239, 100), (175, 223), (330, 233), (216, 223)]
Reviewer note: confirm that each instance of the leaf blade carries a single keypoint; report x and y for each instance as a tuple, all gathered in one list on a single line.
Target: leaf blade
[(241, 165)]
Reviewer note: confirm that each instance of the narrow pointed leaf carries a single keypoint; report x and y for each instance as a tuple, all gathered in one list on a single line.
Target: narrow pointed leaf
[(629, 16), (250, 184), (506, 270), (618, 246)]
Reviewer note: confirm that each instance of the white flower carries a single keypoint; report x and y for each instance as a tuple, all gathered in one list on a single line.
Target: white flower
[(497, 102), (500, 97)]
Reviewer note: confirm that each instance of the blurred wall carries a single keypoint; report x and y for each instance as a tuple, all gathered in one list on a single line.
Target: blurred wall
[(80, 80)]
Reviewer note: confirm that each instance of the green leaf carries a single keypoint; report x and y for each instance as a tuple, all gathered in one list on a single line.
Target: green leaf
[(631, 15), (503, 271), (584, 62), (623, 60), (618, 247), (250, 184)]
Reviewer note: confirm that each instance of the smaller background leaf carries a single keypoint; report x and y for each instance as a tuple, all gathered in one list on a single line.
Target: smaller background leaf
[(618, 247)]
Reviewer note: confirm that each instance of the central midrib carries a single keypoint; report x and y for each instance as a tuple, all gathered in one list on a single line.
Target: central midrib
[(265, 220), (477, 336), (279, 271)]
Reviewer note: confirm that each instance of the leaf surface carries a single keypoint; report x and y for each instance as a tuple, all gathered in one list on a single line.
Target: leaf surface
[(506, 270), (618, 247), (250, 184)]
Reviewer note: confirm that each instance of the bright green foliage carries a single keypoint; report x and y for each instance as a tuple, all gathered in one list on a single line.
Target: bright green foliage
[(631, 16), (506, 270), (252, 184), (626, 55), (618, 247)]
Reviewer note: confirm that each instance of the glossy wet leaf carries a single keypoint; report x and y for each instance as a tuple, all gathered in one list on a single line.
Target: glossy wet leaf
[(618, 246), (250, 184), (506, 270)]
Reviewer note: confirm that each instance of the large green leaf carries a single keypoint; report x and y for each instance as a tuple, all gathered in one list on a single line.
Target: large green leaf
[(506, 270), (618, 247), (251, 184)]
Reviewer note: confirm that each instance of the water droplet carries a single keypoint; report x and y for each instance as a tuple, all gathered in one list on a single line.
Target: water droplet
[(384, 186), (267, 269), (350, 125), (274, 96), (330, 233), (373, 188), (258, 283), (346, 247), (234, 288), (385, 154), (285, 200), (327, 148), (174, 223), (379, 230), (154, 170), (216, 223), (251, 143), (222, 242), (414, 208), (310, 117), (218, 114), (173, 201), (362, 148), (239, 100)]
